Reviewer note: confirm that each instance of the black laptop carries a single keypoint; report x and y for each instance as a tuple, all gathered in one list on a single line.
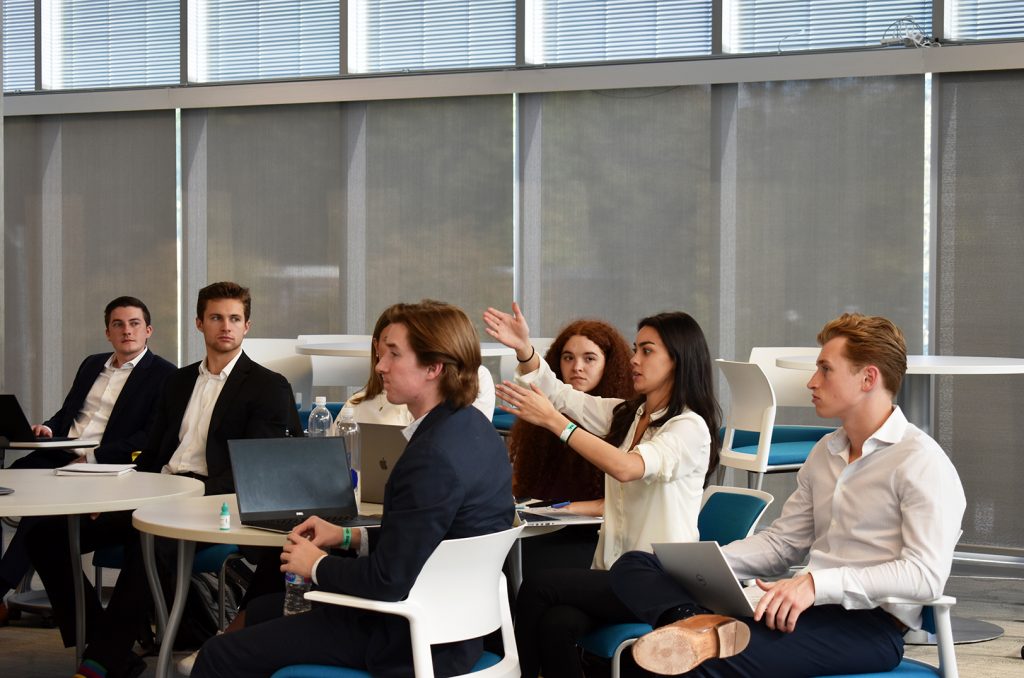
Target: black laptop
[(14, 424), (281, 482)]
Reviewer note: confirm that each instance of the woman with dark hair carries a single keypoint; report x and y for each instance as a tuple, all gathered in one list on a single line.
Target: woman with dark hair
[(657, 452), (592, 357)]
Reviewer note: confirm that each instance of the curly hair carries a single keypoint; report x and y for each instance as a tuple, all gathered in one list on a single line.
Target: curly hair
[(544, 468)]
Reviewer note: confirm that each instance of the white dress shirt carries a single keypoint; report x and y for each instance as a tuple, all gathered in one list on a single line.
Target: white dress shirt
[(378, 410), (663, 505), (190, 457), (92, 419), (884, 525)]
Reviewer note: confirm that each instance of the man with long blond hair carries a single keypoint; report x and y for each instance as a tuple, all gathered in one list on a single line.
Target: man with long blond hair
[(876, 513)]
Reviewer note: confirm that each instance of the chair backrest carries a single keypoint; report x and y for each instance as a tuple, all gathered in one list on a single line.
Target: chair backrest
[(456, 589), (338, 370), (790, 386), (751, 400), (730, 513), (279, 355)]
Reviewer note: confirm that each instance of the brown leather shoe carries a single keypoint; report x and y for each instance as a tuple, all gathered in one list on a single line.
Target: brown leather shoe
[(685, 644)]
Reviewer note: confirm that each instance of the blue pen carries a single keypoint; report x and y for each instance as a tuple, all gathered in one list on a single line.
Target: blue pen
[(561, 504)]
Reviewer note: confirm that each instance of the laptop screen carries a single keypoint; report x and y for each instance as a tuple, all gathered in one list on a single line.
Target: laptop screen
[(277, 477)]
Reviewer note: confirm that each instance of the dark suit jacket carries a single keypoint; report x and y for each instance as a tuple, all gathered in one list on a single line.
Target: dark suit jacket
[(128, 426), (255, 403), (453, 480)]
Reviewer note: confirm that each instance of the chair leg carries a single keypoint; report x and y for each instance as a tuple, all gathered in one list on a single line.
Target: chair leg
[(754, 480), (98, 583), (617, 657)]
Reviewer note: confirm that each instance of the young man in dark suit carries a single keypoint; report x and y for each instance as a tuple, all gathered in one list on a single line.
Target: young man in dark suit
[(112, 399), (202, 406)]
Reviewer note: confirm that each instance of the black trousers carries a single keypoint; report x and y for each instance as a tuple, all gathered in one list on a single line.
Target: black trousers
[(828, 639), (554, 610)]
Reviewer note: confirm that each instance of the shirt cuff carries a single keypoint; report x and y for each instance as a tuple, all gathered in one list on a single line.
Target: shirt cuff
[(828, 586), (652, 461), (364, 542), (314, 568)]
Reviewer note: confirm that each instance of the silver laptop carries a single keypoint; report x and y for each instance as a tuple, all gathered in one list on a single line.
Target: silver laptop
[(281, 482), (700, 566), (382, 445)]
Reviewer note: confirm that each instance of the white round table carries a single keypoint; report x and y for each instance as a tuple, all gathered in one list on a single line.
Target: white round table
[(38, 492), (196, 519), (361, 349)]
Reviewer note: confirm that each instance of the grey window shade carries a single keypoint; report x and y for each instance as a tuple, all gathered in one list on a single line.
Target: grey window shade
[(774, 25), (263, 39), (397, 35), (985, 19), (113, 43), (585, 30), (980, 244), (19, 45)]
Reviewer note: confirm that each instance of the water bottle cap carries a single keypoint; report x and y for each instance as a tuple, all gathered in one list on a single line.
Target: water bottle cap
[(320, 400), (348, 412)]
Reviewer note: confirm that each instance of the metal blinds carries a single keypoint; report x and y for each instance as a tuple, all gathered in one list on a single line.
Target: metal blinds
[(262, 39), (400, 35), (985, 19), (19, 45), (110, 43), (607, 30), (786, 25)]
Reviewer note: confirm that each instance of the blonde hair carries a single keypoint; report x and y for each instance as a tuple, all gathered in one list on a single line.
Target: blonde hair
[(871, 340), (442, 333)]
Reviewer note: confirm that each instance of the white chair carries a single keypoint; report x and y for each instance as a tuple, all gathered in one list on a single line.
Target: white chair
[(790, 386), (338, 370), (459, 594), (750, 442), (279, 355)]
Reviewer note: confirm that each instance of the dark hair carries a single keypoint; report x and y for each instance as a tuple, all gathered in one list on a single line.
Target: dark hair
[(442, 333), (692, 383), (223, 290), (542, 467), (374, 384), (122, 302)]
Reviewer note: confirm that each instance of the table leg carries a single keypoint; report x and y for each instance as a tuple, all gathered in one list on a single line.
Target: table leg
[(186, 550), (149, 558), (74, 545)]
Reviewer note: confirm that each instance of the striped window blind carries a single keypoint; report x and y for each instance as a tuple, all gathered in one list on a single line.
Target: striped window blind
[(263, 39), (110, 43), (19, 45), (565, 31), (787, 25), (411, 35), (985, 19)]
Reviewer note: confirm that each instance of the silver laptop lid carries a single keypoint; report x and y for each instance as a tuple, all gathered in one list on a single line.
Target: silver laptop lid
[(702, 569)]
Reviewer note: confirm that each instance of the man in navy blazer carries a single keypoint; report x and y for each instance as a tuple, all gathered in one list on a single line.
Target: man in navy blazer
[(113, 395), (113, 399)]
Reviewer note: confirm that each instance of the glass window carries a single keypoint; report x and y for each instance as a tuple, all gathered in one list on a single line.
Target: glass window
[(19, 45), (584, 30), (397, 35), (984, 19), (787, 25), (263, 39), (114, 43)]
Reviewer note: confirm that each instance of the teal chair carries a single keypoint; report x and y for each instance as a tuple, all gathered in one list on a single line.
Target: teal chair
[(503, 421), (726, 514), (459, 594)]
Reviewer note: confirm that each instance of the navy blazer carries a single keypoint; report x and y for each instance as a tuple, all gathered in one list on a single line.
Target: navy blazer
[(453, 480), (128, 427), (254, 403)]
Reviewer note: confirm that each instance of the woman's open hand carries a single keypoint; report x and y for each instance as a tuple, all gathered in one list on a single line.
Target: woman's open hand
[(530, 405)]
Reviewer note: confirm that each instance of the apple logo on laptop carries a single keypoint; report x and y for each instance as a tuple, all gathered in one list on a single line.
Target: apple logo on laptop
[(702, 581), (383, 464)]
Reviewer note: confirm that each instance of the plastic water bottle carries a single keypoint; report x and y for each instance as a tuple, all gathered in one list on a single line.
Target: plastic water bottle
[(295, 587), (348, 428), (320, 419)]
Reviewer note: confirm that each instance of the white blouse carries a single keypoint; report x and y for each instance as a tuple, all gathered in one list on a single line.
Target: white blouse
[(663, 505)]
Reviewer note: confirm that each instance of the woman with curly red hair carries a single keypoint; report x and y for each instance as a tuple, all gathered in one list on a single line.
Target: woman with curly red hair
[(591, 356)]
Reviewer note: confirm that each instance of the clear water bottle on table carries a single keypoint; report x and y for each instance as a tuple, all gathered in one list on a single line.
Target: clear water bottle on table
[(348, 428), (295, 587), (319, 425)]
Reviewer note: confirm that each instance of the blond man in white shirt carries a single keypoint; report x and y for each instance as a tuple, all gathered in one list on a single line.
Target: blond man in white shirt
[(876, 513)]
